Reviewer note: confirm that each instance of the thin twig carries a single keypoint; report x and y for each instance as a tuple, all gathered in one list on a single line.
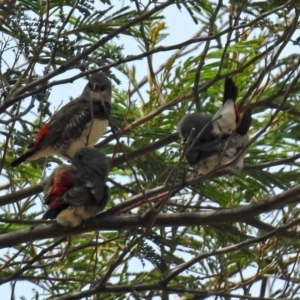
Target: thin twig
[(21, 93)]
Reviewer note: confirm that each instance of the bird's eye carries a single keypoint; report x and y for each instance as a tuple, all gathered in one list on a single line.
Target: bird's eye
[(79, 156), (103, 87)]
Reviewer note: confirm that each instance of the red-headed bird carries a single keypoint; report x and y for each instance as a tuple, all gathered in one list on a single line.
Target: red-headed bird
[(79, 123), (77, 192), (220, 137)]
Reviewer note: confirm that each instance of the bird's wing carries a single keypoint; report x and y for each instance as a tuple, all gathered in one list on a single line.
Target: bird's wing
[(78, 195), (60, 181), (245, 121), (68, 123), (56, 185), (81, 195), (203, 150), (64, 124), (197, 121)]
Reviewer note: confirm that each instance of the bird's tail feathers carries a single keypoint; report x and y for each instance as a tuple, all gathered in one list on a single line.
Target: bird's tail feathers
[(105, 199), (51, 213), (22, 158)]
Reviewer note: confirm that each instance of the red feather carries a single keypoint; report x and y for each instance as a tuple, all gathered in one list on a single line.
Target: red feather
[(237, 113), (41, 134), (62, 182), (33, 147)]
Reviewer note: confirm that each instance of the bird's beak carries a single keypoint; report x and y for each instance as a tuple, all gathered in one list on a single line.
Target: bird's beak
[(69, 159), (95, 88)]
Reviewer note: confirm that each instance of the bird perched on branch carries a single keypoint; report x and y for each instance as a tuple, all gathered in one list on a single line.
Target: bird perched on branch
[(79, 123), (216, 139), (75, 193)]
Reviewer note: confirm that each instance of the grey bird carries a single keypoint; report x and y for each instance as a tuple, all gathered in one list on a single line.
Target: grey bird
[(217, 139), (77, 192), (79, 123)]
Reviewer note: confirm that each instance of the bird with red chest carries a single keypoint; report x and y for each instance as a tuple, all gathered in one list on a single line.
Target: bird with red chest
[(62, 179), (219, 137), (78, 192), (79, 123)]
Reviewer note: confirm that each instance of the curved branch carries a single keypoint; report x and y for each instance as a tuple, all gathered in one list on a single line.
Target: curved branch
[(176, 271), (172, 289), (21, 194), (112, 222), (20, 94)]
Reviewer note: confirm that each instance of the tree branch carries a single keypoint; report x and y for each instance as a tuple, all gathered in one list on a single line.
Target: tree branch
[(21, 93), (111, 222)]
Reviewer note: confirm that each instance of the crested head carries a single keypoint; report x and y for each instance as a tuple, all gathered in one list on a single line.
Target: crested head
[(92, 160), (230, 90), (98, 87)]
